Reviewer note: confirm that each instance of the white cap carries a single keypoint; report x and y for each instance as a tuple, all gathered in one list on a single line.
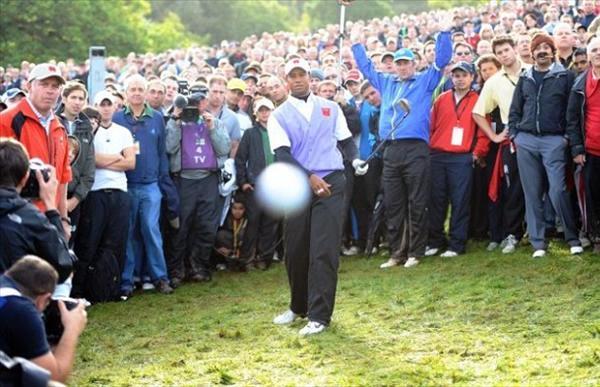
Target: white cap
[(263, 102), (296, 63), (102, 95), (45, 71)]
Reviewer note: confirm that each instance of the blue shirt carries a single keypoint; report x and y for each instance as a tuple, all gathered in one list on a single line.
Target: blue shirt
[(417, 90), (367, 139), (148, 131)]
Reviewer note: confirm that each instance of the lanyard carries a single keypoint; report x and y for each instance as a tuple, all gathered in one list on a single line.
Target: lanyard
[(456, 105)]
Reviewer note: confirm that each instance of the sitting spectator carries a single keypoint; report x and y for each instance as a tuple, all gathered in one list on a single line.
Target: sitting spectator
[(25, 291), (230, 237)]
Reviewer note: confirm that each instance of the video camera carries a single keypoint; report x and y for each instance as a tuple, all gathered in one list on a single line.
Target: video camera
[(188, 99), (52, 320), (31, 190)]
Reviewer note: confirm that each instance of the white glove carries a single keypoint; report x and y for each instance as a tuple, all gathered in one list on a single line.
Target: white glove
[(359, 168)]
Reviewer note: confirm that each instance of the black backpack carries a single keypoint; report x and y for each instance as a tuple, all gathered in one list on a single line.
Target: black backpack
[(103, 278)]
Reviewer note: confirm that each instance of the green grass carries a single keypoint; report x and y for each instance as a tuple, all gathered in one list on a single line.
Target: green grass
[(478, 319)]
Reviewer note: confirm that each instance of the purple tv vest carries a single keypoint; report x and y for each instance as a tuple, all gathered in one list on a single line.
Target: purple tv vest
[(196, 148), (313, 143)]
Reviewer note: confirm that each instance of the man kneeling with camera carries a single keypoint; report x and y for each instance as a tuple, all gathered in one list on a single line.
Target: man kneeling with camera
[(25, 291)]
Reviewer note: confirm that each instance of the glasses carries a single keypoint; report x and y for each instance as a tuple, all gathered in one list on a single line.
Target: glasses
[(462, 53)]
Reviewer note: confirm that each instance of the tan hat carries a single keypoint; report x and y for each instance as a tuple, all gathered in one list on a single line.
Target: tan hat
[(45, 71)]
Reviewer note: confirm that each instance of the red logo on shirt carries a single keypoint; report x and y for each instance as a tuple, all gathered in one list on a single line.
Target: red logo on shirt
[(326, 111)]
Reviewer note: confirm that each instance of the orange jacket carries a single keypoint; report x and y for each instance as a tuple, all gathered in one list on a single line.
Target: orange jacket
[(52, 149)]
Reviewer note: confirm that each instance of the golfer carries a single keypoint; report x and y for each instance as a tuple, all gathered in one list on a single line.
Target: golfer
[(309, 131)]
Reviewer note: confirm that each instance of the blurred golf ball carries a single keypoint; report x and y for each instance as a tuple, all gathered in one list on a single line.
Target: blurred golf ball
[(283, 189)]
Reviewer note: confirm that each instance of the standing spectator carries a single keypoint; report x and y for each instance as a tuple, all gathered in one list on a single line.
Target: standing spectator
[(537, 123), (505, 185), (148, 130), (171, 89), (12, 96), (406, 157), (277, 90), (33, 123), (455, 144), (235, 93), (80, 131), (155, 95), (523, 43), (580, 61), (105, 214), (583, 130), (367, 187), (195, 150), (254, 155), (217, 88), (589, 13), (564, 41)]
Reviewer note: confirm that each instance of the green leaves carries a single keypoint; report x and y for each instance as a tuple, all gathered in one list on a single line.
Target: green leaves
[(58, 29)]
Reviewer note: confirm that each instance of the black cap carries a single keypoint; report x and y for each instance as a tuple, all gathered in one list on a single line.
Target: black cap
[(464, 66)]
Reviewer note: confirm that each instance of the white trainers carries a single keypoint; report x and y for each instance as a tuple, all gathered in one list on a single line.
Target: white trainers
[(410, 262), (148, 286), (539, 253), (510, 244), (352, 250), (429, 252), (286, 317), (492, 246), (312, 328), (576, 250), (449, 254), (389, 263)]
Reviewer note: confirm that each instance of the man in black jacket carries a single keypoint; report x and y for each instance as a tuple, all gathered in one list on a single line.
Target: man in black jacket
[(23, 228), (537, 123), (253, 155), (81, 148), (583, 130)]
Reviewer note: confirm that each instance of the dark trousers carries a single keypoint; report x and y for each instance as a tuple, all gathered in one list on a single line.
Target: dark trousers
[(366, 188), (199, 220), (104, 225), (312, 241), (347, 236), (261, 232), (406, 169), (591, 173), (451, 177), (480, 221), (511, 202)]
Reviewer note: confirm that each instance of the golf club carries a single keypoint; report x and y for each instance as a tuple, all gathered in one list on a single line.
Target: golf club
[(405, 106)]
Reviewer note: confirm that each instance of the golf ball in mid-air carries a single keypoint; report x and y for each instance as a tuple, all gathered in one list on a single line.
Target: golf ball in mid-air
[(283, 189)]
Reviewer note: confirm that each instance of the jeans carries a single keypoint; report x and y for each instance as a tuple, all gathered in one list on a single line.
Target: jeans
[(144, 234)]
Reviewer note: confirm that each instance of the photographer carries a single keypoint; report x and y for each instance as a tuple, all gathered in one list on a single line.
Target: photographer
[(23, 228), (25, 292), (196, 143)]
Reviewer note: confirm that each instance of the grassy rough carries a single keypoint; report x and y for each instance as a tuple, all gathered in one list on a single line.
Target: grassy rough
[(478, 319)]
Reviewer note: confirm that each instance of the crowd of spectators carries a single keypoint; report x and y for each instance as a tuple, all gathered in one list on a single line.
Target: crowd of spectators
[(159, 199)]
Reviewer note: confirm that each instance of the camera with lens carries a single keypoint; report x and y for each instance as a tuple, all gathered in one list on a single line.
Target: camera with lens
[(32, 187), (52, 320), (189, 103)]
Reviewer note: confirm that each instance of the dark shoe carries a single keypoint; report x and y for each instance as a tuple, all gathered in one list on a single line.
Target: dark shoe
[(175, 282), (596, 248), (126, 294), (201, 277), (163, 287), (261, 265)]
